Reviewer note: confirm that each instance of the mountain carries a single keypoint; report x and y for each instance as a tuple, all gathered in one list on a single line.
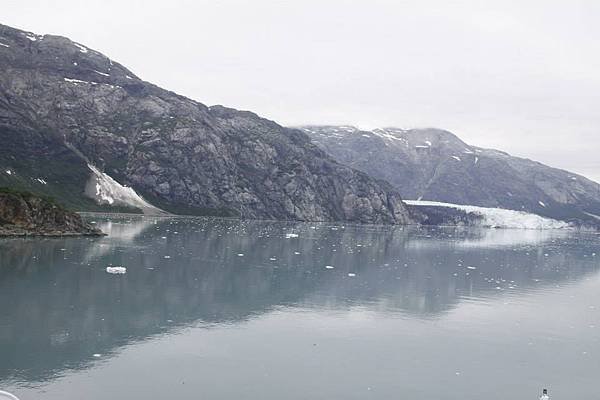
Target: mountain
[(435, 165), (78, 126), (23, 213)]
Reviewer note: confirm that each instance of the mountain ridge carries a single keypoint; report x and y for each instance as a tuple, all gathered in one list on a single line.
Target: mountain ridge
[(435, 164), (176, 153)]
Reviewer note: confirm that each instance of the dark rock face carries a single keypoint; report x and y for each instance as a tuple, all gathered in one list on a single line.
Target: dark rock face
[(432, 164), (58, 98), (25, 214)]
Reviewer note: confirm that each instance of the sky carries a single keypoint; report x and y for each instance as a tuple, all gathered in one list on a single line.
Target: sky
[(520, 76)]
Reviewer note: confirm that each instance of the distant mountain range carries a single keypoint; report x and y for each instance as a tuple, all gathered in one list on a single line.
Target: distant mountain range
[(79, 127), (435, 165)]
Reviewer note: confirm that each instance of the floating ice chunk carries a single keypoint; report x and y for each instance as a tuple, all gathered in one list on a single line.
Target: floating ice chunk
[(97, 355), (291, 235), (116, 270), (9, 172)]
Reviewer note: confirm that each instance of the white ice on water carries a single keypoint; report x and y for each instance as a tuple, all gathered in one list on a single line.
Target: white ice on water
[(501, 218), (116, 270)]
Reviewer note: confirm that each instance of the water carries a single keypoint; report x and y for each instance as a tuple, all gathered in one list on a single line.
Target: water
[(220, 309)]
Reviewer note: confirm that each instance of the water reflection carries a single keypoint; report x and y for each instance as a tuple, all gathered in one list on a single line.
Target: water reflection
[(60, 307)]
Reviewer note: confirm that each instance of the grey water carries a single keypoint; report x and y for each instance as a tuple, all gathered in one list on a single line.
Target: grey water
[(225, 309)]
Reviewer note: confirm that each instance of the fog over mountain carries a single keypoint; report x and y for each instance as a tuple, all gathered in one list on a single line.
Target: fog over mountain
[(517, 76)]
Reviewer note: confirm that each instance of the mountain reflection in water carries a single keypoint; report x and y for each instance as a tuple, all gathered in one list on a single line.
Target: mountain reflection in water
[(60, 307)]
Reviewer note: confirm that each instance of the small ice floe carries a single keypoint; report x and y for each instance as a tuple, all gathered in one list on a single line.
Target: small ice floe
[(116, 270), (9, 172), (291, 235), (471, 267), (329, 267), (75, 64), (97, 355), (351, 274), (296, 252), (240, 255), (541, 203)]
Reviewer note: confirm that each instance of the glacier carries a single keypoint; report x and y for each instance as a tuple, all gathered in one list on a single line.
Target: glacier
[(500, 217)]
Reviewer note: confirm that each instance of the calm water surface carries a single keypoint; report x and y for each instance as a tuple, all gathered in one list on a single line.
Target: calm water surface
[(219, 309)]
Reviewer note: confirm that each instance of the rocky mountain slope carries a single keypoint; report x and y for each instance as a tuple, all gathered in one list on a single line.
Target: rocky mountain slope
[(72, 120), (22, 213), (432, 164)]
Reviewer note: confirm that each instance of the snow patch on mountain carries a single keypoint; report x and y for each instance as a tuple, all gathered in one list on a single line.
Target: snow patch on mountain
[(499, 217), (105, 190)]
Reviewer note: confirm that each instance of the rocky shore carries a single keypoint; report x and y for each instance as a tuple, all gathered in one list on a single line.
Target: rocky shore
[(24, 214)]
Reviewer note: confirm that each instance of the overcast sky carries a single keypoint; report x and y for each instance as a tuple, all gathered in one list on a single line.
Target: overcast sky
[(520, 76)]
